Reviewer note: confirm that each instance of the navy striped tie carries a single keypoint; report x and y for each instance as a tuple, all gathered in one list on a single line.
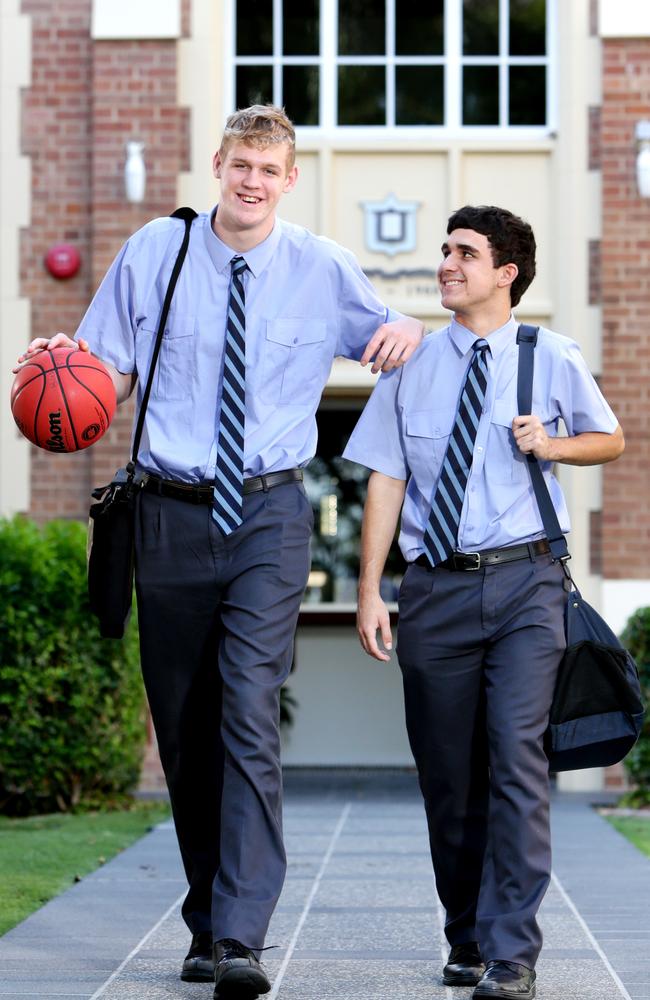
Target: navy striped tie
[(229, 477), (441, 533)]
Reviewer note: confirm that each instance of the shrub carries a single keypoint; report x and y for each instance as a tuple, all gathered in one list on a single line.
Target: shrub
[(636, 638), (72, 713)]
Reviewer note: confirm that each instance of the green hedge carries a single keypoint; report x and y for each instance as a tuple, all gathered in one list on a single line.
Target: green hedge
[(72, 707), (636, 638)]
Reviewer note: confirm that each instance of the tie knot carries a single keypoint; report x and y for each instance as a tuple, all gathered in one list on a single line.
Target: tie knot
[(480, 345), (238, 265)]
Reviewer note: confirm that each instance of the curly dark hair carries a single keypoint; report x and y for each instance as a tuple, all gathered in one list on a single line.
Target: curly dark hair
[(511, 239)]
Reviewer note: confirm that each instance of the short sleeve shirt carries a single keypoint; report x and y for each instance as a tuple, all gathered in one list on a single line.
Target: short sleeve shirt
[(405, 426), (307, 301)]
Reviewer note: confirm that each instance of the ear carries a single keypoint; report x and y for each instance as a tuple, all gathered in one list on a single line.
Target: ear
[(217, 164), (291, 179), (507, 275)]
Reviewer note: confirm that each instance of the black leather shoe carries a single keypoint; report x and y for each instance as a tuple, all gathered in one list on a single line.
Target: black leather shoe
[(237, 972), (505, 980), (198, 966), (464, 966)]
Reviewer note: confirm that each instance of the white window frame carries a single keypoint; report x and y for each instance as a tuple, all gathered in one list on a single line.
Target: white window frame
[(452, 62)]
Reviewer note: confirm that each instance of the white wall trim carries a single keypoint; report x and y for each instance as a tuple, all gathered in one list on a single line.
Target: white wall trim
[(624, 19), (15, 213), (136, 19)]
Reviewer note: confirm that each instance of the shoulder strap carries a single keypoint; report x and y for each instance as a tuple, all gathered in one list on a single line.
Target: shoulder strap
[(527, 339), (187, 215)]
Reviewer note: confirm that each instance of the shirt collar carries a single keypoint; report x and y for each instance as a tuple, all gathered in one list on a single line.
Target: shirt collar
[(257, 258), (499, 340)]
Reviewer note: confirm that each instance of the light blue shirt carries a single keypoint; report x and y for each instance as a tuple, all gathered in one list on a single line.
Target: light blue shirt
[(307, 301), (405, 426)]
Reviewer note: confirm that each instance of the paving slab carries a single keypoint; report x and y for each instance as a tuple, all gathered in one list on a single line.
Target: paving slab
[(358, 917)]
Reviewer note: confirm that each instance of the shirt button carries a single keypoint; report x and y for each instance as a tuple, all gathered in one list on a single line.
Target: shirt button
[(479, 448), (437, 430)]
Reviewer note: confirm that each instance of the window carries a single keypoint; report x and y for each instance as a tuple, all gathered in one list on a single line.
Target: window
[(397, 63)]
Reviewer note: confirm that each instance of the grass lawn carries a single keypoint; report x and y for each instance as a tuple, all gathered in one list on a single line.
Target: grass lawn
[(636, 830), (43, 855)]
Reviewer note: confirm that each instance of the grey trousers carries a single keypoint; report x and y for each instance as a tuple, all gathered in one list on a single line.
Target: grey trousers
[(479, 653), (217, 619)]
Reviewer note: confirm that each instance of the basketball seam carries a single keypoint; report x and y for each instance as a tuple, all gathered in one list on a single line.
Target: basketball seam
[(87, 388), (38, 407), (55, 368)]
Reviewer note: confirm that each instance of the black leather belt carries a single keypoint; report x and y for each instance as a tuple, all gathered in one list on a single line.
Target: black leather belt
[(467, 561), (204, 493)]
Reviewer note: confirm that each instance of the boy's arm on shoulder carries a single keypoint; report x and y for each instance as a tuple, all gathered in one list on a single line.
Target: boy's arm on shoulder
[(393, 344)]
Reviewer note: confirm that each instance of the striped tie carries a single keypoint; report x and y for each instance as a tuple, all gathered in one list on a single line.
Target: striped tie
[(441, 533), (229, 477)]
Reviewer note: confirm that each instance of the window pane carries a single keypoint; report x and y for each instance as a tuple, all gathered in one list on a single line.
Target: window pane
[(254, 85), (527, 95), (527, 27), (419, 96), (419, 27), (362, 27), (362, 95), (301, 27), (480, 27), (481, 95), (254, 28), (300, 94)]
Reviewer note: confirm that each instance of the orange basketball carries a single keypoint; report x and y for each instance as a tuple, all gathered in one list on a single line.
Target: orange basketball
[(63, 400)]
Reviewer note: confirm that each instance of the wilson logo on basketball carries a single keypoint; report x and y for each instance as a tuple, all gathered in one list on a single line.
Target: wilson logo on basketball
[(55, 441), (91, 432)]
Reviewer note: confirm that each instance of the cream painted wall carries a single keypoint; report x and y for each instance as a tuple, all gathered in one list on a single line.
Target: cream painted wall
[(350, 707), (15, 62), (200, 88)]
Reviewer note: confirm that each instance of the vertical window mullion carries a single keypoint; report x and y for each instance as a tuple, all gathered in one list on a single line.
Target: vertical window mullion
[(453, 70), (390, 63), (329, 27), (551, 68), (277, 53), (504, 52)]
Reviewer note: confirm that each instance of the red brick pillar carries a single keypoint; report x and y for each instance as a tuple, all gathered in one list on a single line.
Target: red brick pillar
[(626, 308), (56, 137), (88, 98)]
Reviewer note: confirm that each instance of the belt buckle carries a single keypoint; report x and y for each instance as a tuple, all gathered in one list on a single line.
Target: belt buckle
[(470, 555)]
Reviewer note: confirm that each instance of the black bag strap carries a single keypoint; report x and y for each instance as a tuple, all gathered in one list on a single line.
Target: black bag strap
[(527, 339), (188, 215)]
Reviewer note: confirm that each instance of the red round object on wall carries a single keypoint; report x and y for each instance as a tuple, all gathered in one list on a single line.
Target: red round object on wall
[(62, 260), (63, 400)]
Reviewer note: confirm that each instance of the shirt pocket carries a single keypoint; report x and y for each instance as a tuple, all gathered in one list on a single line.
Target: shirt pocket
[(176, 367), (296, 360), (427, 436), (504, 462)]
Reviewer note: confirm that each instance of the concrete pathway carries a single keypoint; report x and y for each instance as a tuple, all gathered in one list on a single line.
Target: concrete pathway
[(358, 917)]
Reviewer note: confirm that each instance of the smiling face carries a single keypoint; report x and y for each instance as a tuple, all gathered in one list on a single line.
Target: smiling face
[(470, 284), (252, 182)]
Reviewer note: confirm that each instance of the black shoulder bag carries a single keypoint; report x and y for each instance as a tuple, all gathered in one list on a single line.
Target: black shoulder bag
[(112, 516), (597, 712)]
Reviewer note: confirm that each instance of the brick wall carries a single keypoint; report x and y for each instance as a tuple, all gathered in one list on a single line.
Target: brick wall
[(87, 99), (625, 286)]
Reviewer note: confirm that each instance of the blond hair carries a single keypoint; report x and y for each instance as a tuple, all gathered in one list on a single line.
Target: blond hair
[(260, 126)]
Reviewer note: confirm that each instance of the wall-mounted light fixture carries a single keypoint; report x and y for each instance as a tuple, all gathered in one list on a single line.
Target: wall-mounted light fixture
[(135, 174), (642, 134)]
